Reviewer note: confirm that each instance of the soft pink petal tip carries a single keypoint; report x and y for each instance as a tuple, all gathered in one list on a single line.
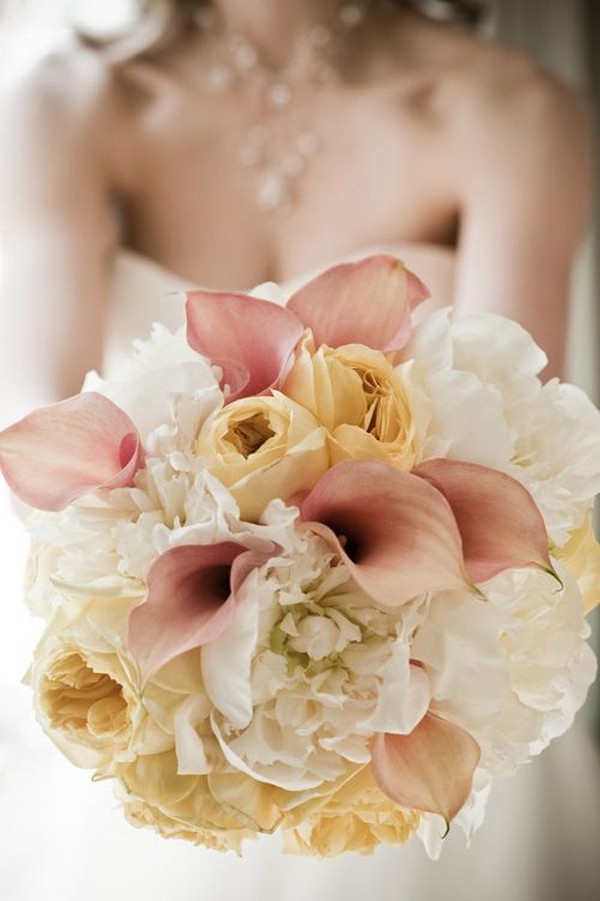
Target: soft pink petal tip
[(431, 769), (59, 453), (367, 302), (252, 340)]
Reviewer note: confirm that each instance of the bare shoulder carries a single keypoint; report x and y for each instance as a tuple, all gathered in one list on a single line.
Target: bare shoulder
[(512, 95), (489, 89), (65, 91), (506, 113)]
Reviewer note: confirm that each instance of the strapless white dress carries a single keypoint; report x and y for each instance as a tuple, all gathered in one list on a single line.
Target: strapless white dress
[(64, 838)]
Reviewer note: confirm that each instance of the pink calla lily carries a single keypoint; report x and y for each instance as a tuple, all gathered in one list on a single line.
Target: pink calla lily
[(191, 600), (395, 531), (401, 534), (252, 340), (60, 452), (368, 302), (431, 769), (499, 522)]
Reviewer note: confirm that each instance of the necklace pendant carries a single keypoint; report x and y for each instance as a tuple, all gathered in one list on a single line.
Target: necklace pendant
[(280, 147), (220, 78), (273, 191), (279, 95)]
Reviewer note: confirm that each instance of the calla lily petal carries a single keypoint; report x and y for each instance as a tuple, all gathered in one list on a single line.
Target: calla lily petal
[(188, 603), (431, 769), (499, 522), (367, 302), (250, 339), (395, 531), (60, 452), (190, 600)]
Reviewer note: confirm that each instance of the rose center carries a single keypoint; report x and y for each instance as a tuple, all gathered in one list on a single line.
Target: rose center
[(375, 392), (249, 435), (77, 698)]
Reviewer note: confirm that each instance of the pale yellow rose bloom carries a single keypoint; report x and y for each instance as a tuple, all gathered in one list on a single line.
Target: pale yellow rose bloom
[(263, 448), (86, 690), (223, 809), (581, 556), (84, 700), (359, 397), (357, 817), (219, 810), (146, 816)]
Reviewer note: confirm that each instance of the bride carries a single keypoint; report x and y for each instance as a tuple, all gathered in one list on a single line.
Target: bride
[(229, 143)]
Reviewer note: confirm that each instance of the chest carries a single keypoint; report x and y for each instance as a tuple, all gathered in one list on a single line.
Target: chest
[(378, 174)]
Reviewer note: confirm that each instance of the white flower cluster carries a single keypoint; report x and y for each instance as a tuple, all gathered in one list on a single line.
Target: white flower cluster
[(311, 669)]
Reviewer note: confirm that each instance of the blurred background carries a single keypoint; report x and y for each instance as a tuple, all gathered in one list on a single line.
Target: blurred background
[(565, 36)]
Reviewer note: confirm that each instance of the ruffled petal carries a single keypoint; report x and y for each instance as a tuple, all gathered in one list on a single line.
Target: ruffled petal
[(226, 664), (431, 769), (367, 302), (395, 531), (499, 522), (58, 453), (252, 340)]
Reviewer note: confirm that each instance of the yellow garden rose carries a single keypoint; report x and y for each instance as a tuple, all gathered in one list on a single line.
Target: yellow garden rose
[(83, 698), (581, 556), (357, 817), (263, 448), (219, 810), (359, 398), (87, 695), (146, 816)]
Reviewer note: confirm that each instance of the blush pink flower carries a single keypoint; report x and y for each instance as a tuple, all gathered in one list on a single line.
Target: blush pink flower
[(253, 340), (191, 600), (58, 453), (446, 524)]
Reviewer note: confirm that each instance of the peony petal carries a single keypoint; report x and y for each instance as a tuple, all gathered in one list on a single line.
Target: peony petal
[(431, 769), (252, 340), (189, 602), (360, 303), (499, 522), (400, 537), (58, 453), (404, 694), (226, 663)]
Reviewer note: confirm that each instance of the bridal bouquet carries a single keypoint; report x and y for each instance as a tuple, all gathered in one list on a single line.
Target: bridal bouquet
[(320, 568)]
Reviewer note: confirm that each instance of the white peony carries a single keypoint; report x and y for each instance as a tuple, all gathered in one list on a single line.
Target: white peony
[(309, 671)]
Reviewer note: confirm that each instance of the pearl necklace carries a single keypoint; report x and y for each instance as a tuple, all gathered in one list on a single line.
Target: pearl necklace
[(281, 142)]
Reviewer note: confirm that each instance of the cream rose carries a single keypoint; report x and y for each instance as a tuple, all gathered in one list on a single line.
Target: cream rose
[(83, 701), (359, 397), (355, 817), (581, 556), (263, 448), (219, 810), (86, 694)]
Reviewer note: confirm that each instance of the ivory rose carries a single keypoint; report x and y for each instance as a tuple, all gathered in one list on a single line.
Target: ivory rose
[(83, 697), (263, 448), (581, 555), (86, 690), (219, 810), (357, 395), (355, 817)]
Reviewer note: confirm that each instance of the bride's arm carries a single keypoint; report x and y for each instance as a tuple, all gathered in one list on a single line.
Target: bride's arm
[(55, 232), (526, 198)]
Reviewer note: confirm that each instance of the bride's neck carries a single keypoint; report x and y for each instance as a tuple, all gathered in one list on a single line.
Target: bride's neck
[(275, 26)]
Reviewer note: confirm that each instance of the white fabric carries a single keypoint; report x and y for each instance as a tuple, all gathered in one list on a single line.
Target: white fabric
[(64, 839)]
